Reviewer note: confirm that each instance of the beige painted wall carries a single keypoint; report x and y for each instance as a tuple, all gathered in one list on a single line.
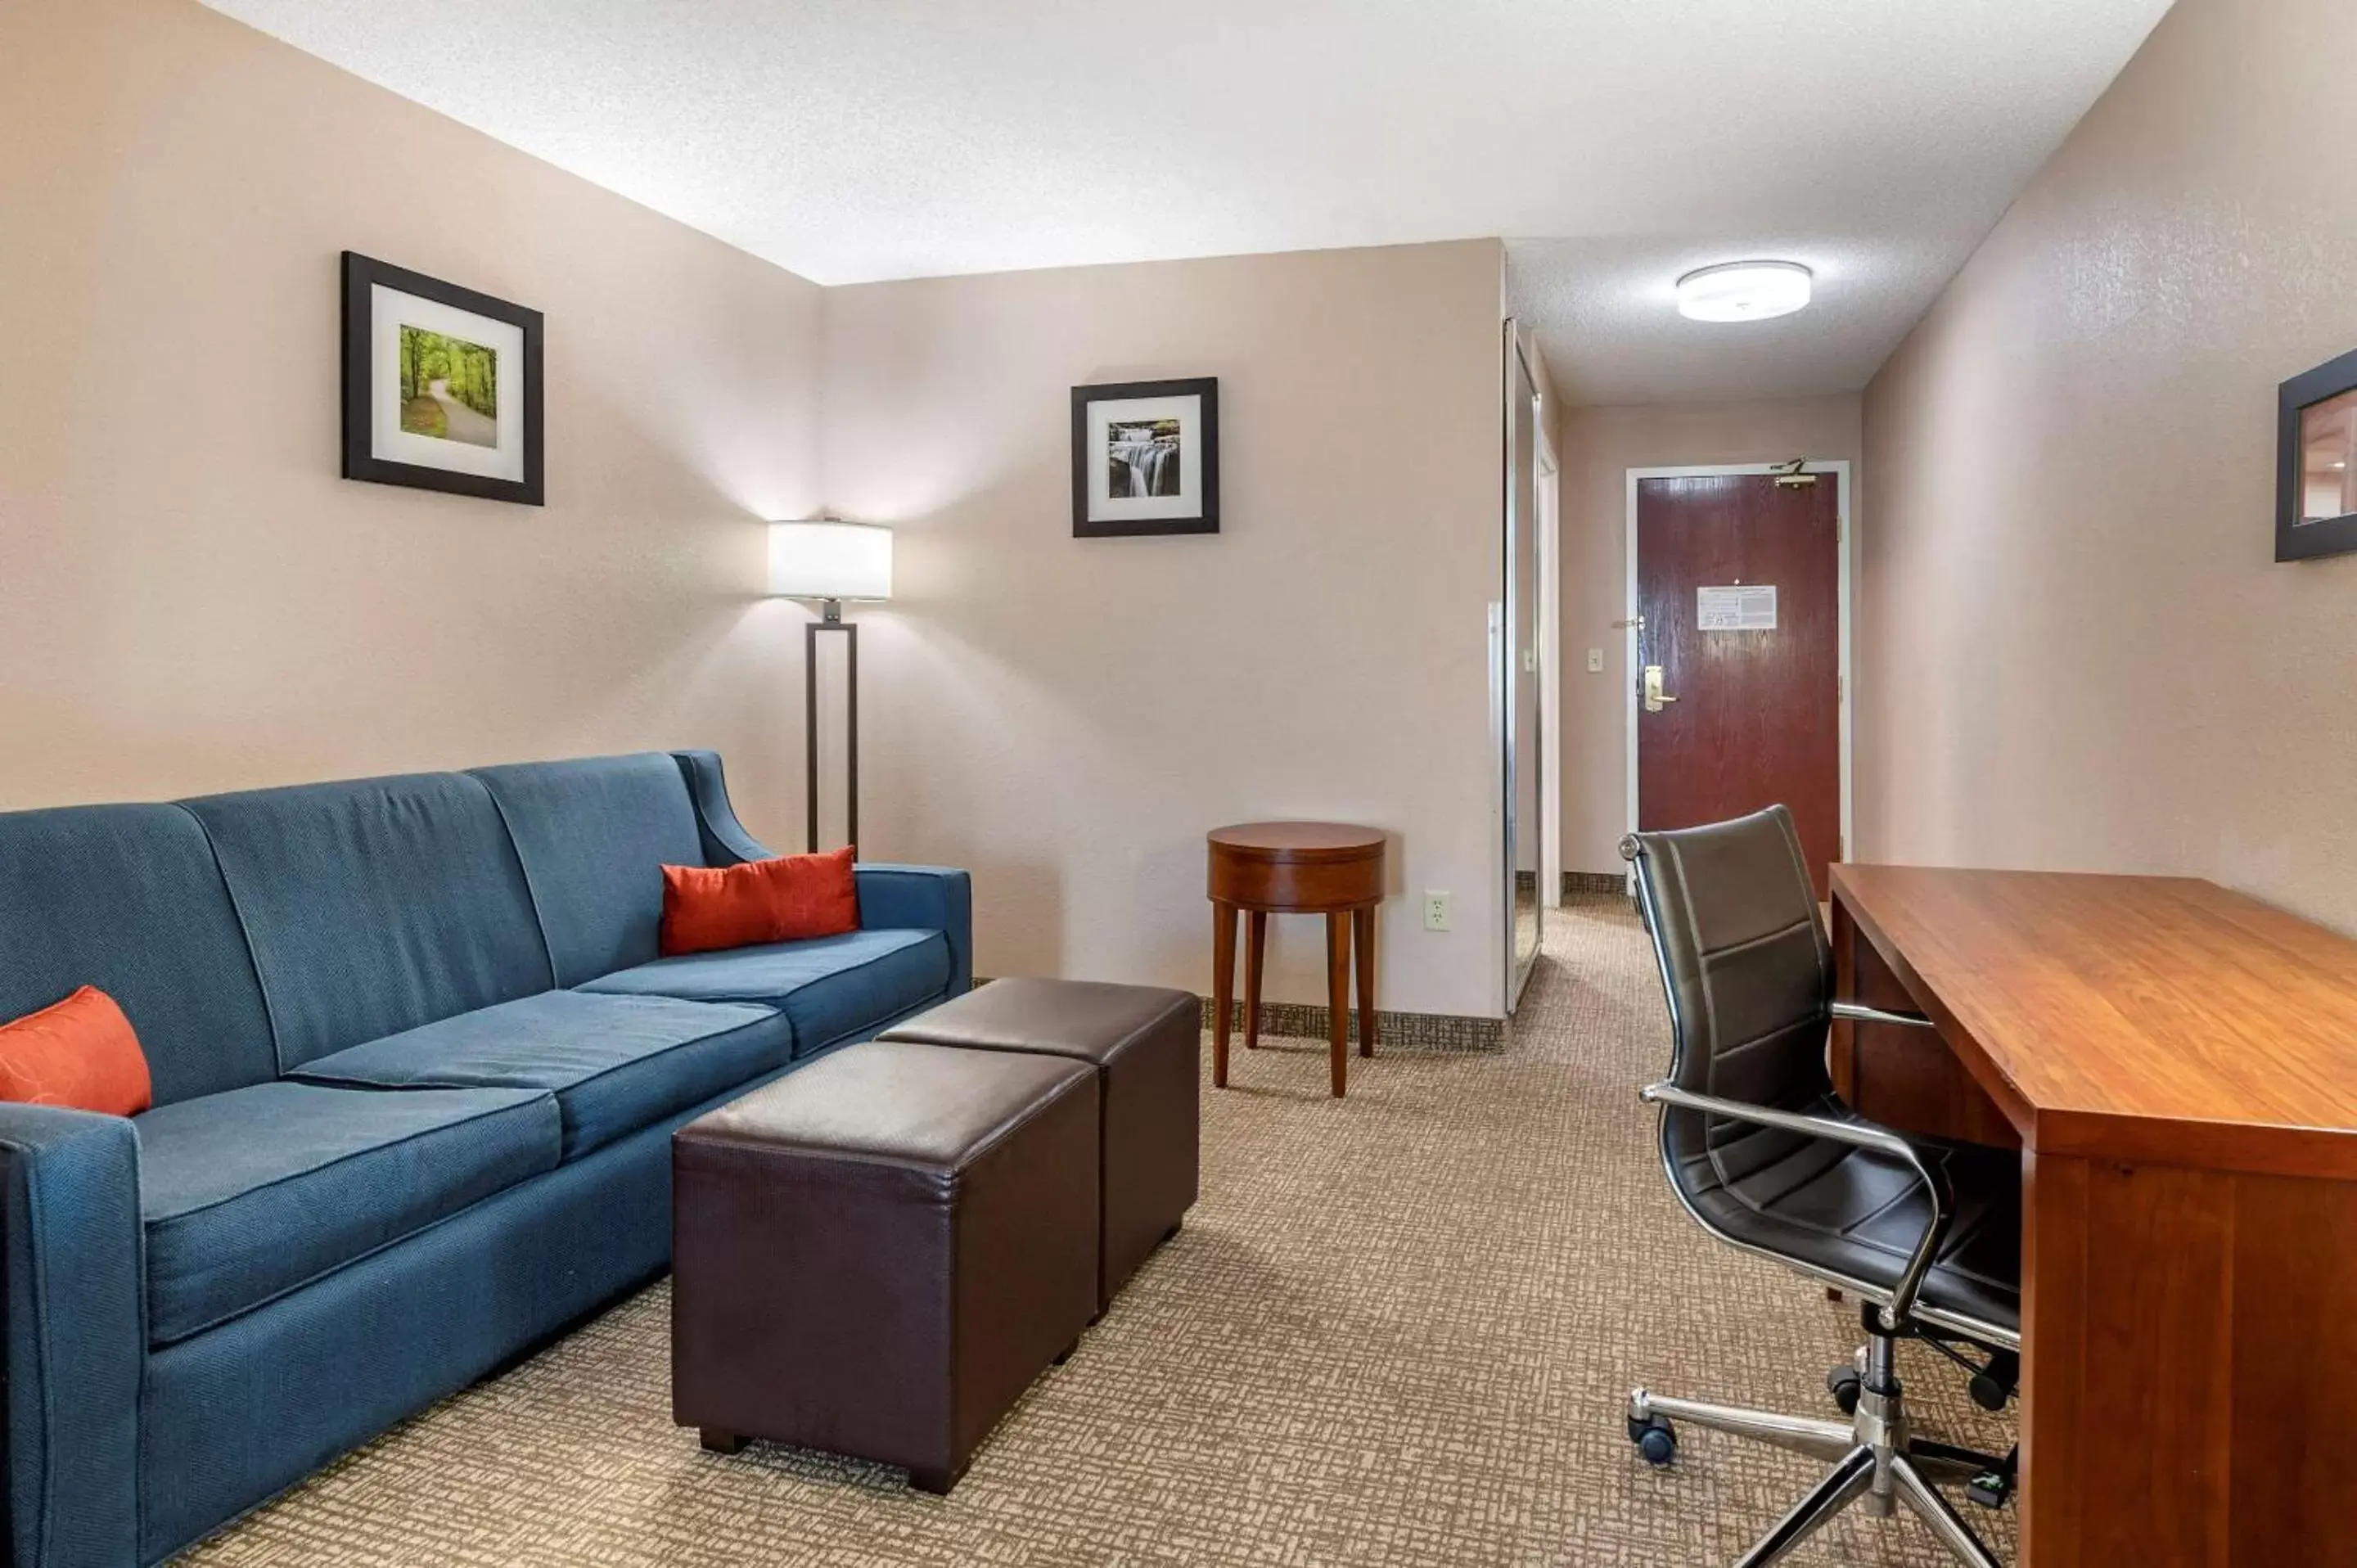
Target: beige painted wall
[(2079, 652), (1068, 716), (1600, 445), (190, 600)]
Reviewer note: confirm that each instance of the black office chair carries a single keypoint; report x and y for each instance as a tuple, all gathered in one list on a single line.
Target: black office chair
[(1764, 1154)]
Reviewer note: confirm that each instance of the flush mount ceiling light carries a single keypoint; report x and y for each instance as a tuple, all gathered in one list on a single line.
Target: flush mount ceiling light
[(1743, 291)]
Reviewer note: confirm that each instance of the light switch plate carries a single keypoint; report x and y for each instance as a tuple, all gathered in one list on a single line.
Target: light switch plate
[(1596, 661)]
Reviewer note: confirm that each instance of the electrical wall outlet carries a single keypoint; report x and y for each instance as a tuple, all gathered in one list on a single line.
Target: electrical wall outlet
[(1435, 910)]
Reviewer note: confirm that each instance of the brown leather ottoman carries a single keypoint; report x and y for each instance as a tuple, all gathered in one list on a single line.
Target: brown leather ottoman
[(876, 1254), (1144, 1042)]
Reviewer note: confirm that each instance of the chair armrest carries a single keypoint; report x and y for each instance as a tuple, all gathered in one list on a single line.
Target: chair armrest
[(1859, 1013), (75, 1345), (923, 897), (725, 842), (1857, 1134)]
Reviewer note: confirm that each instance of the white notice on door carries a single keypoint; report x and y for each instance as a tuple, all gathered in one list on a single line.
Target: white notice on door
[(1739, 608)]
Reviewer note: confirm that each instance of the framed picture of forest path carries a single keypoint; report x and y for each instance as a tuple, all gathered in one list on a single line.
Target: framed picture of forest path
[(441, 385)]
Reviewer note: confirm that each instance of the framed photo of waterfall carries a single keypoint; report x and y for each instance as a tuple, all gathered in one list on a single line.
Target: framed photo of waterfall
[(441, 385), (1145, 458)]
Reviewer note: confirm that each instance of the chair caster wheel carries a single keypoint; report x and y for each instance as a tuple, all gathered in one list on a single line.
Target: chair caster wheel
[(1843, 1383), (1993, 1385), (1654, 1439)]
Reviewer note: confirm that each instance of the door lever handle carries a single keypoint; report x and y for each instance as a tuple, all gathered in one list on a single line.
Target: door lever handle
[(1654, 696)]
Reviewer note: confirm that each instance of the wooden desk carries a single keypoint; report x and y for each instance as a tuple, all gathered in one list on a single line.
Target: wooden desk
[(2179, 1065), (1296, 868)]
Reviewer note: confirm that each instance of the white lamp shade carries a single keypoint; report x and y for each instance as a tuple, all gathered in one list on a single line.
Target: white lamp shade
[(1744, 291), (830, 561)]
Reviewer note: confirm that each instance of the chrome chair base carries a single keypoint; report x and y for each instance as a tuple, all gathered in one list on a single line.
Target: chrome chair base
[(1876, 1461)]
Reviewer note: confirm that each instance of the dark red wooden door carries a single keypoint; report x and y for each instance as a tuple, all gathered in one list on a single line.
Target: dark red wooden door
[(1757, 718)]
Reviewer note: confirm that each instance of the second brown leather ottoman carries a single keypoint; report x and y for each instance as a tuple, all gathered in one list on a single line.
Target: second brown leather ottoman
[(877, 1253), (1145, 1042)]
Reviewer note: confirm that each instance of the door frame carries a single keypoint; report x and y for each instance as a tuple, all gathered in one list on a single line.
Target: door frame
[(1550, 633), (1504, 664), (1844, 545)]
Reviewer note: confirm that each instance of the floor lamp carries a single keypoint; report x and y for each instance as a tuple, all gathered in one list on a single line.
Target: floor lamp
[(830, 562)]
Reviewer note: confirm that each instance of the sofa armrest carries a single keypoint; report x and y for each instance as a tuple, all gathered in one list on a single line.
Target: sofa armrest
[(911, 898), (75, 1334), (923, 897), (725, 842)]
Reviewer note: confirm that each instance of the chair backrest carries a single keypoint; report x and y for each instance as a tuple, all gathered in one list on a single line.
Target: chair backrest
[(1747, 971)]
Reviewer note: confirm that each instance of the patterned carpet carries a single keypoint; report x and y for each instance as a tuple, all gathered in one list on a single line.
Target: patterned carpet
[(1398, 1329)]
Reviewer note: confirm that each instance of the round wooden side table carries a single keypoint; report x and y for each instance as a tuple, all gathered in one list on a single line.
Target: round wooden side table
[(1296, 868)]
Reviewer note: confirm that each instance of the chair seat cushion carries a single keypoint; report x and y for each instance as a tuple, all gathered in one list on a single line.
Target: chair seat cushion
[(615, 1063), (249, 1193), (1860, 1213), (833, 988)]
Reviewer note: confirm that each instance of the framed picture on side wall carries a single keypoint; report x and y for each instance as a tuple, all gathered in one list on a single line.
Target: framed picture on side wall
[(2316, 462), (442, 385), (1145, 458)]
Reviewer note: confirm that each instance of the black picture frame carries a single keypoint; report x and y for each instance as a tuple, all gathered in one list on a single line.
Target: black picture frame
[(1206, 518), (2297, 540), (361, 273)]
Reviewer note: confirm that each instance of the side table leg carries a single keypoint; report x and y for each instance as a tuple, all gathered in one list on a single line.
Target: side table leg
[(1338, 997), (1223, 986), (1362, 935), (1255, 944)]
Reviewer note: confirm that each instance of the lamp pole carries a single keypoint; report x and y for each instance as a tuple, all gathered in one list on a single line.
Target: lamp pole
[(831, 619), (827, 561)]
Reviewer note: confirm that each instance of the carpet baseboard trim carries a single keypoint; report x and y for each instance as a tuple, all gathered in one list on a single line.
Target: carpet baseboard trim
[(1595, 882), (1415, 1032)]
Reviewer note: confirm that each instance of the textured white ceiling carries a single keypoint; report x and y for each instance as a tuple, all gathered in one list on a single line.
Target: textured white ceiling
[(1614, 142)]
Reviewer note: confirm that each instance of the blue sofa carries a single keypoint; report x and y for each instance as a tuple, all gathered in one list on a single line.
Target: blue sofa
[(416, 1067)]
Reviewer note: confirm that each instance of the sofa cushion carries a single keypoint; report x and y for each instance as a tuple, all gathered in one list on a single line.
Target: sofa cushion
[(832, 987), (615, 1063), (128, 898), (249, 1193), (376, 905), (594, 836)]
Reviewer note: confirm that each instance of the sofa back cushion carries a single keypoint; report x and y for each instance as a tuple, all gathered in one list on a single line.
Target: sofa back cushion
[(376, 905), (595, 834), (128, 898)]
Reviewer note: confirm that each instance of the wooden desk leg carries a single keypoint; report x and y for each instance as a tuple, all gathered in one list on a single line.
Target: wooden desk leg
[(1362, 936), (1255, 944), (1338, 997), (1224, 987)]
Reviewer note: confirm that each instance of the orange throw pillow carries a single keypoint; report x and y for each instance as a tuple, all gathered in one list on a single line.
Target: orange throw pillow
[(782, 900), (82, 1053)]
